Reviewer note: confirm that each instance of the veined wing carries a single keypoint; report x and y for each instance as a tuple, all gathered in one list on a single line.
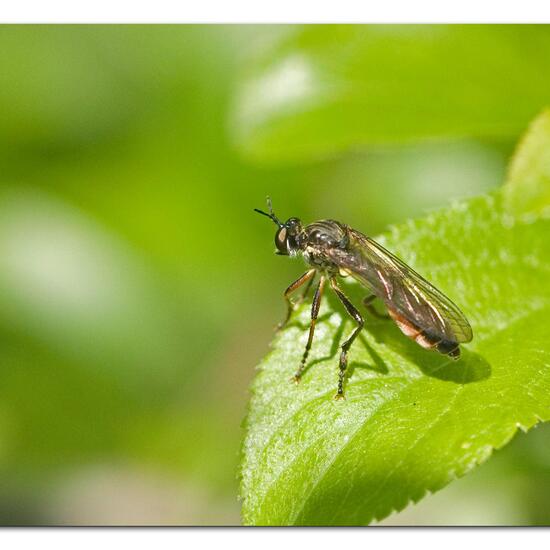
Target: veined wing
[(401, 288)]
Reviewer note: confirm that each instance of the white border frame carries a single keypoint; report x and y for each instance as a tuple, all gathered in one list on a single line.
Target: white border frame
[(276, 11)]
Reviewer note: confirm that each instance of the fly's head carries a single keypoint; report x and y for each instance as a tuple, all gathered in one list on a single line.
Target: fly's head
[(289, 235)]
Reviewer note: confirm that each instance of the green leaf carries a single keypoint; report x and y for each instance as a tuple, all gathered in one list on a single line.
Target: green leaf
[(527, 190), (413, 420), (324, 89)]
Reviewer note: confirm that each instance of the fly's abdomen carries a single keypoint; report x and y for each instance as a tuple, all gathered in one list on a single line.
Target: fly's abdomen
[(425, 338)]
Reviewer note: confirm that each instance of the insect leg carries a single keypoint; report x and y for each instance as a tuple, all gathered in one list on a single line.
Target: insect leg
[(291, 288), (350, 308), (367, 302), (314, 312), (304, 293)]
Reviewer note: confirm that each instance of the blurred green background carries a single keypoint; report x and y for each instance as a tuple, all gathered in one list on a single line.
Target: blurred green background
[(138, 290)]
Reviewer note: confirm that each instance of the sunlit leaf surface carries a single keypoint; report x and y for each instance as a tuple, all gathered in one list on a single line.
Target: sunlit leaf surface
[(413, 420)]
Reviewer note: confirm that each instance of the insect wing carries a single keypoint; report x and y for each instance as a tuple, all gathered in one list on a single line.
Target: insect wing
[(401, 288)]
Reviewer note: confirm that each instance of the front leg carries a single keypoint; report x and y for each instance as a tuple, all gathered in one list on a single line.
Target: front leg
[(350, 308), (308, 276), (304, 294), (314, 313)]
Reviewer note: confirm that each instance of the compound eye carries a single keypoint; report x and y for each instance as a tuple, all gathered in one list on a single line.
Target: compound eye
[(280, 241)]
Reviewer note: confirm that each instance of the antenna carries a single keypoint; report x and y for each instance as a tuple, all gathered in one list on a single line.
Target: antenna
[(271, 215)]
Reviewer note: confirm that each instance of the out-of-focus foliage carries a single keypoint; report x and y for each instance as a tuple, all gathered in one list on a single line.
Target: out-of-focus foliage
[(527, 191), (138, 288), (329, 88)]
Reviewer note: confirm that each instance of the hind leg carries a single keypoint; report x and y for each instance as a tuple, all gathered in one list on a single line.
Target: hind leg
[(367, 302)]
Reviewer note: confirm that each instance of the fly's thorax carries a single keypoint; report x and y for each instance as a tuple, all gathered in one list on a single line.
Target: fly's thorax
[(320, 237), (326, 234)]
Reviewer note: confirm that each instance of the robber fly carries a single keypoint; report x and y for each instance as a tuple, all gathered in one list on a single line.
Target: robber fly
[(333, 249)]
